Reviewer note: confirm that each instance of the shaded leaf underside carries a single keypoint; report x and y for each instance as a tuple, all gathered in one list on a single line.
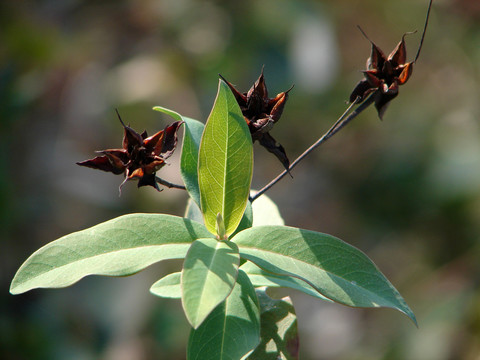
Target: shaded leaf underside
[(118, 247)]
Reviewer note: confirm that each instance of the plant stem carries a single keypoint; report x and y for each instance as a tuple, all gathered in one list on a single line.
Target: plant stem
[(169, 184), (339, 124)]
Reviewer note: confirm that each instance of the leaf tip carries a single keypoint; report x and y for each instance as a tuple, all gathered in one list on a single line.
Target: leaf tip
[(16, 289), (411, 316), (12, 291)]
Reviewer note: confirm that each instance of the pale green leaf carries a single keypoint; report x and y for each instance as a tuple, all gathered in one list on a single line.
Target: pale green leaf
[(168, 286), (119, 247), (193, 212), (279, 333), (336, 269), (225, 163), (192, 135), (208, 276), (265, 212), (232, 329)]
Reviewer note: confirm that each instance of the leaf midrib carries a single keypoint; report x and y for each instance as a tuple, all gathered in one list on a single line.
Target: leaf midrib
[(225, 161)]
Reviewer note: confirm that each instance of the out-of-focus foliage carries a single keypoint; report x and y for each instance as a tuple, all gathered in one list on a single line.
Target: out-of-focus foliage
[(405, 190)]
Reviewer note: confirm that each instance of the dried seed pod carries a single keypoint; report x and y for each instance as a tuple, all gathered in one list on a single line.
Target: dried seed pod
[(261, 113), (384, 74), (141, 156)]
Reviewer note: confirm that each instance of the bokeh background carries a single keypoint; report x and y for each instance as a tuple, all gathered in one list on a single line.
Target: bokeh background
[(406, 190)]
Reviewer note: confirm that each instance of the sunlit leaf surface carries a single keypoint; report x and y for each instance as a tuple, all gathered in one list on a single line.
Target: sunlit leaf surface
[(334, 268), (225, 163)]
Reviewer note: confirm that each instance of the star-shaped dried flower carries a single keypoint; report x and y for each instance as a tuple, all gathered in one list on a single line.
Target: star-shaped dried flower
[(141, 156), (261, 113), (385, 74)]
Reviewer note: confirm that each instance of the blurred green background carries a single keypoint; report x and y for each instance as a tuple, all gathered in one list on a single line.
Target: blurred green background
[(406, 190)]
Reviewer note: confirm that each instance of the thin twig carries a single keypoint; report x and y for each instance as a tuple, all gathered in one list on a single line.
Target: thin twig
[(424, 31), (169, 184), (339, 124)]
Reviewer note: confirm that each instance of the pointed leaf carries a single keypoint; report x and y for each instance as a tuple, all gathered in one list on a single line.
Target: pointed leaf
[(336, 269), (225, 163), (189, 159), (119, 247), (168, 286), (232, 330), (208, 276), (279, 331)]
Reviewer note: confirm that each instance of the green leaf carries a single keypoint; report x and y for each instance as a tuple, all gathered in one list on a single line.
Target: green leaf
[(279, 331), (265, 212), (193, 212), (260, 278), (336, 269), (225, 163), (189, 159), (168, 286), (208, 276), (232, 329), (119, 247)]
